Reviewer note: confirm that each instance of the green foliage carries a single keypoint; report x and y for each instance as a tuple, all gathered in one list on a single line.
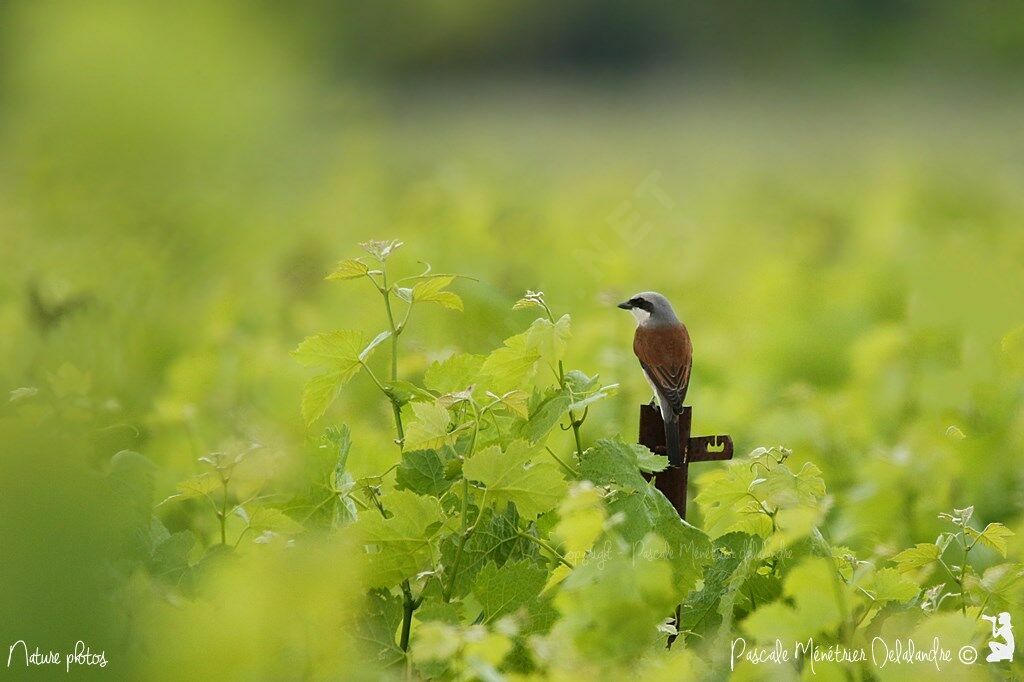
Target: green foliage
[(424, 471), (496, 539), (512, 365), (400, 546), (993, 536), (501, 591), (430, 428), (612, 462), (168, 216), (919, 555), (484, 526), (454, 374), (545, 411), (887, 584), (727, 581), (432, 290), (581, 519), (340, 483), (610, 609), (814, 609), (508, 533), (762, 496), (514, 475), (339, 355)]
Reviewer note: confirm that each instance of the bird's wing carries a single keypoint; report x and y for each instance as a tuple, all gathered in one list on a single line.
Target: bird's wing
[(666, 357)]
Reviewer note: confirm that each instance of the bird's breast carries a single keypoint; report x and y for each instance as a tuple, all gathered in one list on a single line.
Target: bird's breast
[(669, 342)]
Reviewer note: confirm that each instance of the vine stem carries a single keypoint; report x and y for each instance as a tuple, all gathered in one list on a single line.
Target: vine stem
[(963, 569), (396, 330), (546, 547), (224, 512), (447, 594), (948, 569), (394, 406), (409, 603), (573, 421), (983, 605), (467, 530), (568, 469), (865, 614)]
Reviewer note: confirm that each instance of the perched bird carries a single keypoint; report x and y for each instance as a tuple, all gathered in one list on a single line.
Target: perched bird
[(662, 345)]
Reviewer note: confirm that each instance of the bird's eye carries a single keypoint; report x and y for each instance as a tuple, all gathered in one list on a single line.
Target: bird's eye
[(638, 302)]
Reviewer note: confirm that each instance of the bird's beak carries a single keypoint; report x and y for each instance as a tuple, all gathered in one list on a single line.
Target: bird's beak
[(625, 305)]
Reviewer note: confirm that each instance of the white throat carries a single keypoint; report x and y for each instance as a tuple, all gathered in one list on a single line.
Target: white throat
[(641, 315)]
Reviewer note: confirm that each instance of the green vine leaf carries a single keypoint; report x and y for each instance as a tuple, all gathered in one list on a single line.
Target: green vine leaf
[(340, 353), (610, 609), (170, 558), (612, 462), (319, 393), (727, 504), (454, 374), (430, 428), (512, 476), (549, 339), (423, 471), (733, 559), (544, 415), (501, 591), (511, 366), (783, 488), (814, 609), (999, 585), (377, 625), (338, 350), (516, 402), (267, 518), (496, 539), (402, 545), (599, 394), (994, 536), (434, 609), (340, 439), (350, 268), (919, 555), (889, 584), (199, 485), (432, 290), (581, 518), (651, 462), (688, 547)]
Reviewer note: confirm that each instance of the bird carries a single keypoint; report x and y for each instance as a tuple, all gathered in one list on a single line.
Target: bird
[(662, 344)]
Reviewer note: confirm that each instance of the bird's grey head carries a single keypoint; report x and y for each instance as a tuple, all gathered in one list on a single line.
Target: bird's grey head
[(650, 309)]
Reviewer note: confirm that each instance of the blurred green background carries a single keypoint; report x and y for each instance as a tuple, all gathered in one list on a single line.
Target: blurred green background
[(830, 193)]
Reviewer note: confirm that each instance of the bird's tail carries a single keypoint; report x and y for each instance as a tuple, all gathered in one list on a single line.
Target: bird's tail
[(675, 454)]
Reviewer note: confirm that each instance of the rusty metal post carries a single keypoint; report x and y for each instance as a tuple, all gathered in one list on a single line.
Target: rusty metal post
[(672, 482)]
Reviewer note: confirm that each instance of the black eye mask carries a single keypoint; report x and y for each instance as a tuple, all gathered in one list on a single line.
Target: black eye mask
[(642, 304)]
